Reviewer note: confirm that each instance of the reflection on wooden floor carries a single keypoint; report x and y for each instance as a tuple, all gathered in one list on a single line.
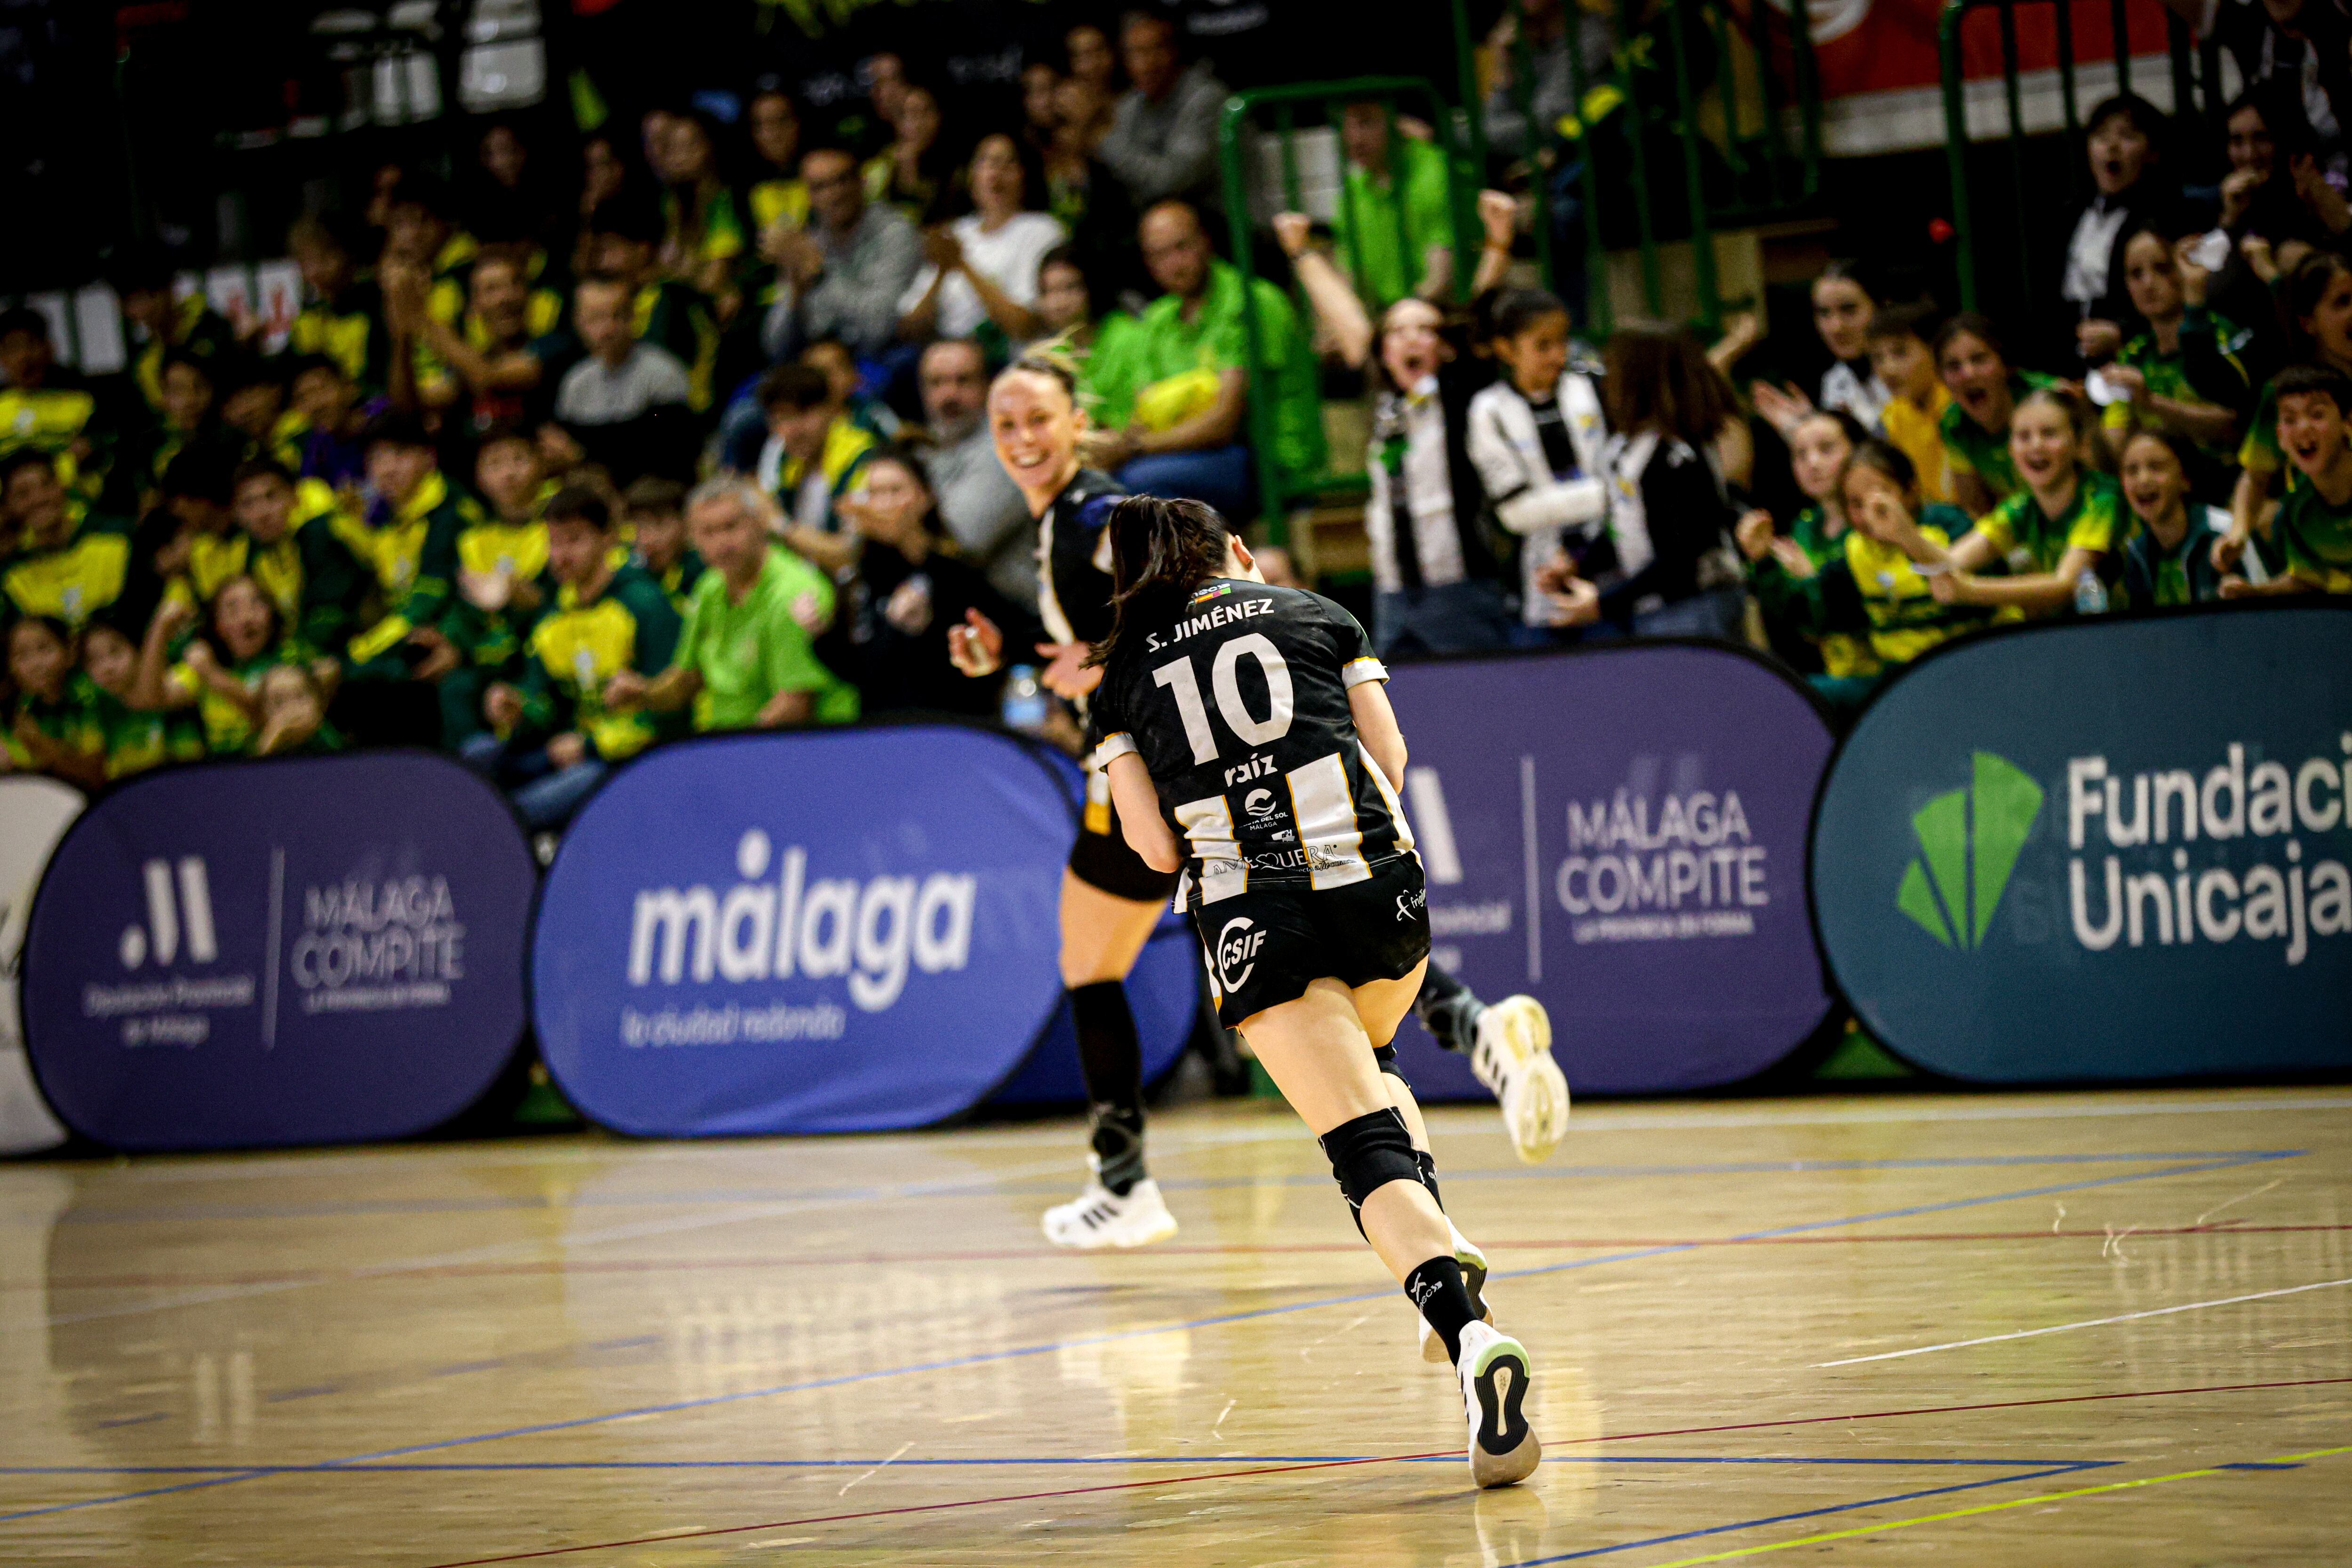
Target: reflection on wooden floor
[(2078, 1329)]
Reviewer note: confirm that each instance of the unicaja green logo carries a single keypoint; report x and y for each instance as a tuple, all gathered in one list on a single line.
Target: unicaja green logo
[(1968, 844)]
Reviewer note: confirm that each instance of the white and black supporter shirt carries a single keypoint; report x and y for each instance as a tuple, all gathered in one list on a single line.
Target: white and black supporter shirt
[(1238, 707)]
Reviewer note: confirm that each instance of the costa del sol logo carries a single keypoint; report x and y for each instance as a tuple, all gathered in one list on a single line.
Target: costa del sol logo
[(1968, 844)]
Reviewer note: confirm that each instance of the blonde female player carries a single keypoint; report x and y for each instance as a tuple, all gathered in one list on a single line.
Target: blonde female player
[(1111, 899), (1250, 745)]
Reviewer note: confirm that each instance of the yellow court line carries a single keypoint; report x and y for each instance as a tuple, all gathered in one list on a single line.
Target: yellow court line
[(1986, 1508)]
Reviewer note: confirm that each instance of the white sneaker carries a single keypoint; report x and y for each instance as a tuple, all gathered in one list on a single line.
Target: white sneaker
[(1099, 1217), (1493, 1368), (1474, 1276), (1512, 1056)]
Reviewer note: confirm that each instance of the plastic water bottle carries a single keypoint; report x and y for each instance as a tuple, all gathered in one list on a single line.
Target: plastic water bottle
[(2090, 594), (1025, 700)]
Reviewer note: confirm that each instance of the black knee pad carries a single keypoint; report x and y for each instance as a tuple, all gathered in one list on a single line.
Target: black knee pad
[(1369, 1153)]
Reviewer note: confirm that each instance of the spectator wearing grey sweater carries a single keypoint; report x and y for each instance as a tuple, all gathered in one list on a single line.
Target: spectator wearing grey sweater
[(1162, 140), (843, 276), (978, 499)]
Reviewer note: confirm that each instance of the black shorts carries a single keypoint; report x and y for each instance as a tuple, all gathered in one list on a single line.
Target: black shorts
[(1265, 948), (1101, 859)]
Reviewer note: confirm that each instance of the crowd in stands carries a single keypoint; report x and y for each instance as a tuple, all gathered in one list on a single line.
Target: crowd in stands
[(552, 468)]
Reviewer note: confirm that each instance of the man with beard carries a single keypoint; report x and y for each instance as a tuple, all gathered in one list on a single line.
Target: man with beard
[(978, 500)]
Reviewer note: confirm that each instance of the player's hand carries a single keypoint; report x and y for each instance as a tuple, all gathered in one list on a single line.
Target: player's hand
[(977, 646), (1065, 674)]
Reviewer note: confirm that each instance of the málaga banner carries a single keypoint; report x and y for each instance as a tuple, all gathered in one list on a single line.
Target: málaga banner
[(2103, 850), (306, 951), (810, 932), (1620, 833), (35, 812)]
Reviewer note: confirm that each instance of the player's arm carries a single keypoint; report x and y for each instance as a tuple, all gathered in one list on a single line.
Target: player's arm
[(1376, 730), (1148, 833)]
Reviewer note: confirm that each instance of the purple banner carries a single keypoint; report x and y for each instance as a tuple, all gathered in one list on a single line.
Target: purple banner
[(1619, 833), (314, 951)]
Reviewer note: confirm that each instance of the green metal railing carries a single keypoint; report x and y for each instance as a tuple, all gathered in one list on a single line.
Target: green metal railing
[(1767, 175), (2195, 79), (1277, 490)]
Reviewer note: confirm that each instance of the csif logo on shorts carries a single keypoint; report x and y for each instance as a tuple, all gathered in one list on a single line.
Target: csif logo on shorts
[(1238, 943), (1969, 844), (773, 928)]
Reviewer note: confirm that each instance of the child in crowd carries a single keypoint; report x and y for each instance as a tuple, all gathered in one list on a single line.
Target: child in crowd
[(218, 673), (136, 740), (286, 541), (2313, 529), (1782, 568), (814, 455), (502, 582), (2057, 534), (2123, 142), (1985, 391), (58, 722), (328, 404), (2168, 559), (1536, 437), (1904, 358), (2181, 374), (1677, 571), (2315, 304), (653, 520), (1843, 309)]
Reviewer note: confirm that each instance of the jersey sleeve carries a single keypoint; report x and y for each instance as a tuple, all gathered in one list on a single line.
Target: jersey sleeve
[(1358, 663), (1106, 714)]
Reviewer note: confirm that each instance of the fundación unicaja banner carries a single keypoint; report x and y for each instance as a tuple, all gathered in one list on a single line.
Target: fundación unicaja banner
[(1618, 832), (298, 951), (2108, 849), (833, 930)]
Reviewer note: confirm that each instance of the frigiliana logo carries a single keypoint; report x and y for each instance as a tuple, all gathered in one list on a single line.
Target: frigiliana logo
[(1968, 844), (772, 929)]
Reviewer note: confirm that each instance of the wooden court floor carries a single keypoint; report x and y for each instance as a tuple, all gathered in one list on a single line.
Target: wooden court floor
[(2084, 1329)]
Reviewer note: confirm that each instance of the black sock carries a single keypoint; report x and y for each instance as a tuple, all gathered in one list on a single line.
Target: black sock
[(1428, 1163), (1436, 1288), (1448, 1011), (1112, 1061)]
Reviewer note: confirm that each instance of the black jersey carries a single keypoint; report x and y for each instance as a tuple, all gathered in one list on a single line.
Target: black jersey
[(1074, 558), (1238, 706)]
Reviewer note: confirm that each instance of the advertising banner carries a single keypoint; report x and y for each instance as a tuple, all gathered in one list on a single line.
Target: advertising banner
[(816, 932), (35, 812), (1619, 833), (2103, 850), (1163, 989), (308, 951)]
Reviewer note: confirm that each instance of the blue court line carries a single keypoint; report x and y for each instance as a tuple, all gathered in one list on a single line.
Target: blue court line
[(1023, 1352), (181, 1214), (2073, 1469), (529, 1464)]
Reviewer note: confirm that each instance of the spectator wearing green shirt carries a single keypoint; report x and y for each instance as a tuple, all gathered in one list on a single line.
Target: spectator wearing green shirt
[(2312, 528), (1184, 433), (1394, 225), (745, 658), (68, 564), (2182, 375), (1975, 427), (553, 738), (56, 726), (2170, 558), (2064, 523)]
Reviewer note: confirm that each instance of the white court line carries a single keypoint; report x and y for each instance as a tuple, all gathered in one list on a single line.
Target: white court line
[(2086, 1324)]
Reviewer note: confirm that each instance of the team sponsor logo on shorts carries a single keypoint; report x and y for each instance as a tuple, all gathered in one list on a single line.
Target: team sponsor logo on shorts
[(1410, 904), (1238, 943)]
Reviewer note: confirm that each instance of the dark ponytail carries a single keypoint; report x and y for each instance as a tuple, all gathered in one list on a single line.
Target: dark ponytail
[(1160, 552)]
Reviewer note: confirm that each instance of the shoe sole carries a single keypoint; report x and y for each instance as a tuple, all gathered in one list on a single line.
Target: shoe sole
[(1536, 1118), (1504, 1450), (1110, 1241)]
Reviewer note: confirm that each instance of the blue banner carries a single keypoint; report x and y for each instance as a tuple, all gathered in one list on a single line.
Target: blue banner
[(1620, 833), (2103, 850), (820, 932), (310, 951)]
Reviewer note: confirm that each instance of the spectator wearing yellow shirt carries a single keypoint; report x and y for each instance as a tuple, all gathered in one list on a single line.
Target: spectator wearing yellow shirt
[(1904, 358), (70, 563), (219, 672), (2064, 523), (813, 456), (45, 408)]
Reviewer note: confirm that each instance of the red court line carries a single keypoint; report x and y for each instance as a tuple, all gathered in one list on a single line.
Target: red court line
[(934, 1507), (1381, 1459), (1202, 1249)]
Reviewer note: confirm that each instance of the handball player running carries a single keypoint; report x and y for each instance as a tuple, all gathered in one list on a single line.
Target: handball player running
[(1249, 743), (1111, 899)]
